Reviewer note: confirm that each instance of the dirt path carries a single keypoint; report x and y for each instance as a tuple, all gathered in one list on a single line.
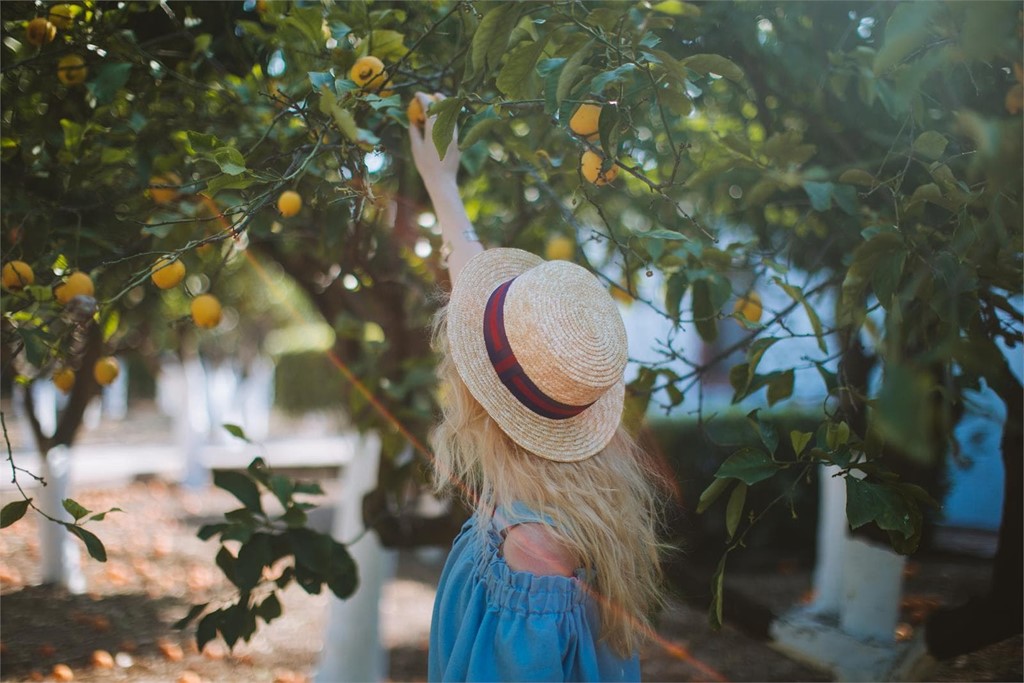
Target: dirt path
[(157, 568)]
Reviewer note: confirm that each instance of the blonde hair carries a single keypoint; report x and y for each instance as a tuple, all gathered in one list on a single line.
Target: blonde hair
[(605, 509)]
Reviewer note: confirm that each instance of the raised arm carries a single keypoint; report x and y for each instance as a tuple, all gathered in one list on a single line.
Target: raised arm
[(439, 177)]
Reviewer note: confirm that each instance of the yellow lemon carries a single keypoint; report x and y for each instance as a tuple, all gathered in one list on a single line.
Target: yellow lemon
[(559, 248), (206, 311), (584, 120), (71, 70), (76, 284), (590, 166), (289, 203), (17, 274), (164, 195), (106, 370), (64, 379), (749, 306), (63, 15), (368, 72), (167, 273), (40, 32)]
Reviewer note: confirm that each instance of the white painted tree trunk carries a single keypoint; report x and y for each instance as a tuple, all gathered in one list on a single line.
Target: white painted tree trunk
[(832, 536), (60, 552), (352, 642), (872, 586), (193, 423)]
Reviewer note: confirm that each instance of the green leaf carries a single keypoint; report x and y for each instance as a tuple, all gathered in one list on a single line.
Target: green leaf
[(214, 185), (879, 503), (855, 176), (207, 628), (820, 195), (710, 63), (73, 133), (92, 542), (617, 75), (518, 78), (664, 234), (208, 531), (704, 311), (780, 387), (253, 556), (270, 608), (319, 79), (930, 144), (230, 160), (236, 431), (749, 465), (226, 561), (797, 295), (201, 144), (715, 489), (240, 486), (570, 72), (491, 37), (447, 112), (344, 575), (388, 45), (906, 30), (110, 77), (74, 509), (283, 487), (14, 511), (887, 273), (717, 594), (734, 510), (675, 289), (903, 413), (799, 441)]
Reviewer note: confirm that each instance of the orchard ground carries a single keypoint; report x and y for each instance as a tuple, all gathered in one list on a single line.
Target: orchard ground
[(157, 568)]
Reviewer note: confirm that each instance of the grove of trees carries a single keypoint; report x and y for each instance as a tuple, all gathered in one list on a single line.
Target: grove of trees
[(862, 158)]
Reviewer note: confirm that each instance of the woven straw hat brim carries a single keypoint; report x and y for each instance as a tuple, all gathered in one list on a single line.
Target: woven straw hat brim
[(568, 440)]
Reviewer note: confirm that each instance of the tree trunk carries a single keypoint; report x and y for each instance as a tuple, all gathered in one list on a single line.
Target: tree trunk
[(997, 616)]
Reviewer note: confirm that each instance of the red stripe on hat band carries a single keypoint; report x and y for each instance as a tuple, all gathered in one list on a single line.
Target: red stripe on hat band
[(507, 366)]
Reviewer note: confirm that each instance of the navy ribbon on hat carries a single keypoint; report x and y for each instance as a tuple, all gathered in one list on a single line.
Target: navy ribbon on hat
[(510, 372)]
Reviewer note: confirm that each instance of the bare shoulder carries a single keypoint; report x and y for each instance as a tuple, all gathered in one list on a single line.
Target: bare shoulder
[(535, 549)]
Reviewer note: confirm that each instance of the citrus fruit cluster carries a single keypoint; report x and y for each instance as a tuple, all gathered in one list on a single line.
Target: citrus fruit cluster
[(585, 123)]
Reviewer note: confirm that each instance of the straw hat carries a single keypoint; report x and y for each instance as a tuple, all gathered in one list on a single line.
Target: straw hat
[(542, 347)]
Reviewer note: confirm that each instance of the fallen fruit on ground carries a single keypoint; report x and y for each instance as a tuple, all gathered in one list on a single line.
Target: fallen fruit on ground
[(167, 273), (106, 370), (559, 247), (40, 32), (71, 70), (164, 195), (17, 274), (289, 203), (749, 306), (590, 166), (584, 120), (368, 72), (63, 672), (76, 284), (101, 659), (64, 379), (206, 311)]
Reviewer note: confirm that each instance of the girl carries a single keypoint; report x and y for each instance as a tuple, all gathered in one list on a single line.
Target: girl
[(553, 576)]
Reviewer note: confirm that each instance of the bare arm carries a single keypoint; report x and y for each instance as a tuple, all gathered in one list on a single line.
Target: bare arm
[(439, 177)]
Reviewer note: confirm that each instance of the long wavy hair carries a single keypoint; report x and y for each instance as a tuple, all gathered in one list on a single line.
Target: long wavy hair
[(606, 509)]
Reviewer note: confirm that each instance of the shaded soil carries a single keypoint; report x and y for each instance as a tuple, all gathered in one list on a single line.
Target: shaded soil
[(157, 568)]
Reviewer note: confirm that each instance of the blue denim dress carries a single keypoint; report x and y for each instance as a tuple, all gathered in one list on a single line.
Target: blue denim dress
[(491, 623)]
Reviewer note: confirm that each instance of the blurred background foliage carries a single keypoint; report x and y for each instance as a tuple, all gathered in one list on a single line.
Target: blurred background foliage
[(861, 158)]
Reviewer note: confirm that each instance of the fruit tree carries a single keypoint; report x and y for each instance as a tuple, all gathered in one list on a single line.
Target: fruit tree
[(863, 161)]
